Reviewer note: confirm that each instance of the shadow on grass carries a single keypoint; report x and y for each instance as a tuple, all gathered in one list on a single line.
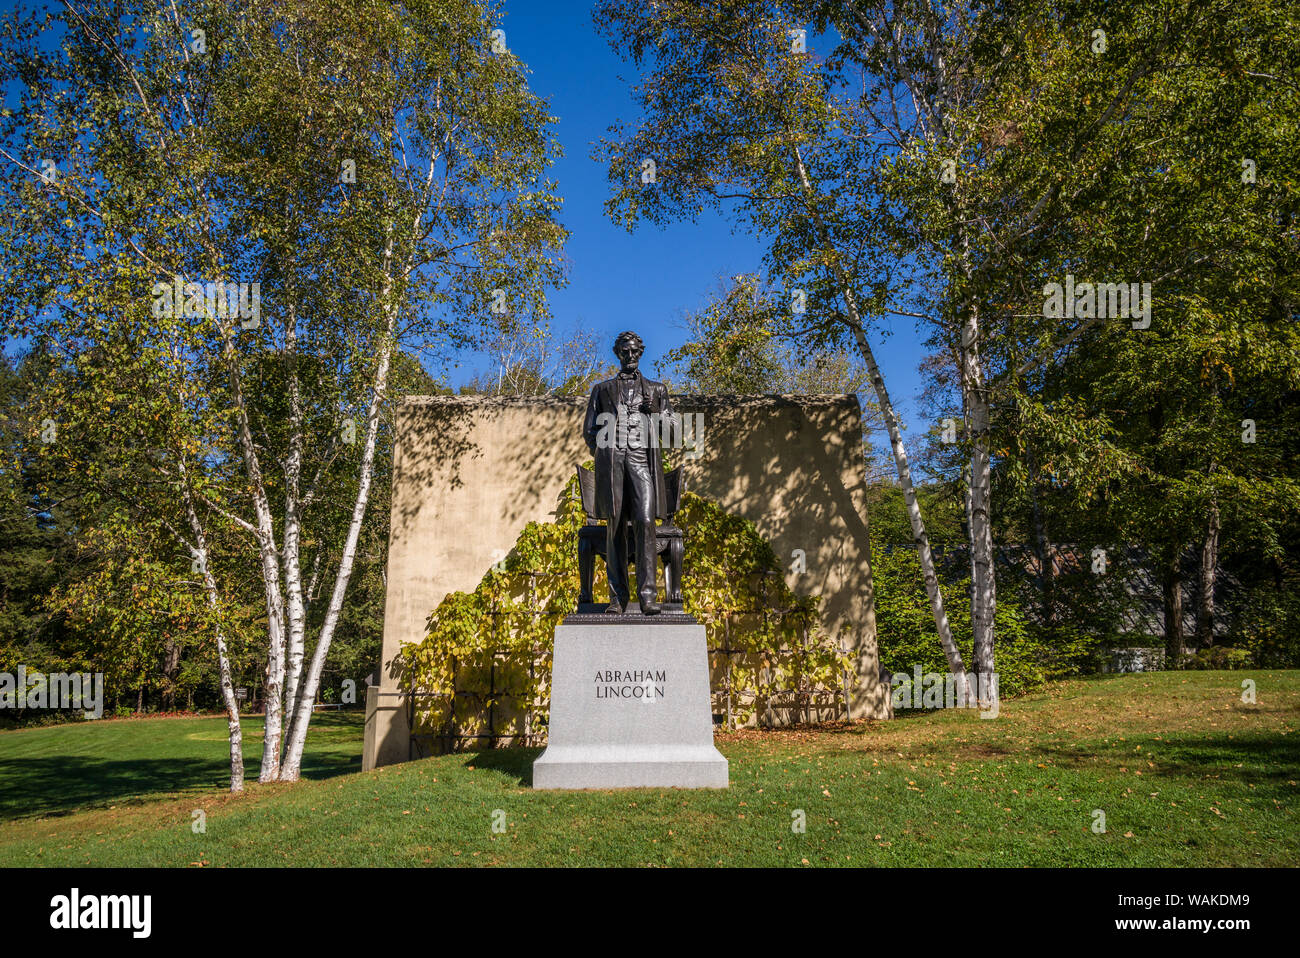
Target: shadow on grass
[(904, 715), (839, 727), (1266, 761), (59, 784), (515, 762), (54, 786)]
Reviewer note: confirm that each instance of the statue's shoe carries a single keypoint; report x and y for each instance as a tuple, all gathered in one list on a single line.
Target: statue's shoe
[(650, 608), (614, 609)]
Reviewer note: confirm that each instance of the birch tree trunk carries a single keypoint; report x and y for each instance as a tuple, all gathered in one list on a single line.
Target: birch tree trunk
[(919, 536), (264, 533), (199, 552), (966, 507), (934, 87), (301, 708), (975, 410), (295, 606), (301, 717), (983, 584), (227, 686)]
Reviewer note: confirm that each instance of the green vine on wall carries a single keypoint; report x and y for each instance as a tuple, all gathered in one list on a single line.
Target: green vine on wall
[(482, 671)]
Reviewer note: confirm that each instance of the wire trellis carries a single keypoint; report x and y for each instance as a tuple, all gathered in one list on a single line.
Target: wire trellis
[(483, 710)]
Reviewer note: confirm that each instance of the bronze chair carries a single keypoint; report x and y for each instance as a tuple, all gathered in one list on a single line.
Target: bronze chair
[(669, 542)]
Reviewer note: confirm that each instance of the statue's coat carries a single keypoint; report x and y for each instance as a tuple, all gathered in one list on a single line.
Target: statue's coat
[(609, 461)]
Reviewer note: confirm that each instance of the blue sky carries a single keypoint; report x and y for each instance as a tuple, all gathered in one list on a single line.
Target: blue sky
[(644, 280)]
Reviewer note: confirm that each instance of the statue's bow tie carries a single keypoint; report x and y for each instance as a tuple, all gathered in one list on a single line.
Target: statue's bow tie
[(627, 376)]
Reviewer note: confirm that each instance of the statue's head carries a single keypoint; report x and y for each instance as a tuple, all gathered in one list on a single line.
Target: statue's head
[(628, 348)]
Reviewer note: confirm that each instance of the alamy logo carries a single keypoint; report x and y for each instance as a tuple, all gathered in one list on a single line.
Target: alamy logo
[(56, 690), (652, 430), (227, 300), (939, 690), (75, 910), (1098, 300)]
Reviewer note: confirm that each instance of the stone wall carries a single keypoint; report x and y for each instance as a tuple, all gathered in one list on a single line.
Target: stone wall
[(470, 472)]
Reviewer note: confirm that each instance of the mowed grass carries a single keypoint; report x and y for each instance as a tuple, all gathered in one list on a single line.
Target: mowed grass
[(62, 768), (1184, 771)]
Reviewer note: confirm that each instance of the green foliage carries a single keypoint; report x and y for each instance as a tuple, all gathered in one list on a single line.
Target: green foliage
[(1182, 150), (499, 637), (34, 548), (732, 348), (145, 622), (1218, 658), (1268, 626), (905, 630), (907, 636)]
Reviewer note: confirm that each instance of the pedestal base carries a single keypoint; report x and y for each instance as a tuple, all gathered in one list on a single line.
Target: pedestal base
[(630, 709), (675, 611)]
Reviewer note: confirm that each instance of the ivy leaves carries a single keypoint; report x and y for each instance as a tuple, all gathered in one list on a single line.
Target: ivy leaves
[(493, 645)]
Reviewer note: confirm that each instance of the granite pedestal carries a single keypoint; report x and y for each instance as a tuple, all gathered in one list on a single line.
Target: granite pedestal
[(630, 706)]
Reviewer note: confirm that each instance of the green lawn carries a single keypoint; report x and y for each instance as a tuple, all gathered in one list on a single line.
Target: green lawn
[(1185, 772), (62, 768)]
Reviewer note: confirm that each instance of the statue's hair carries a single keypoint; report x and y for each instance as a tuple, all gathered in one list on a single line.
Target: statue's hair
[(624, 336)]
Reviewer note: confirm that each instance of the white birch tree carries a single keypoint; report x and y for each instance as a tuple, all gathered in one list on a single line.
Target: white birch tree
[(378, 171)]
